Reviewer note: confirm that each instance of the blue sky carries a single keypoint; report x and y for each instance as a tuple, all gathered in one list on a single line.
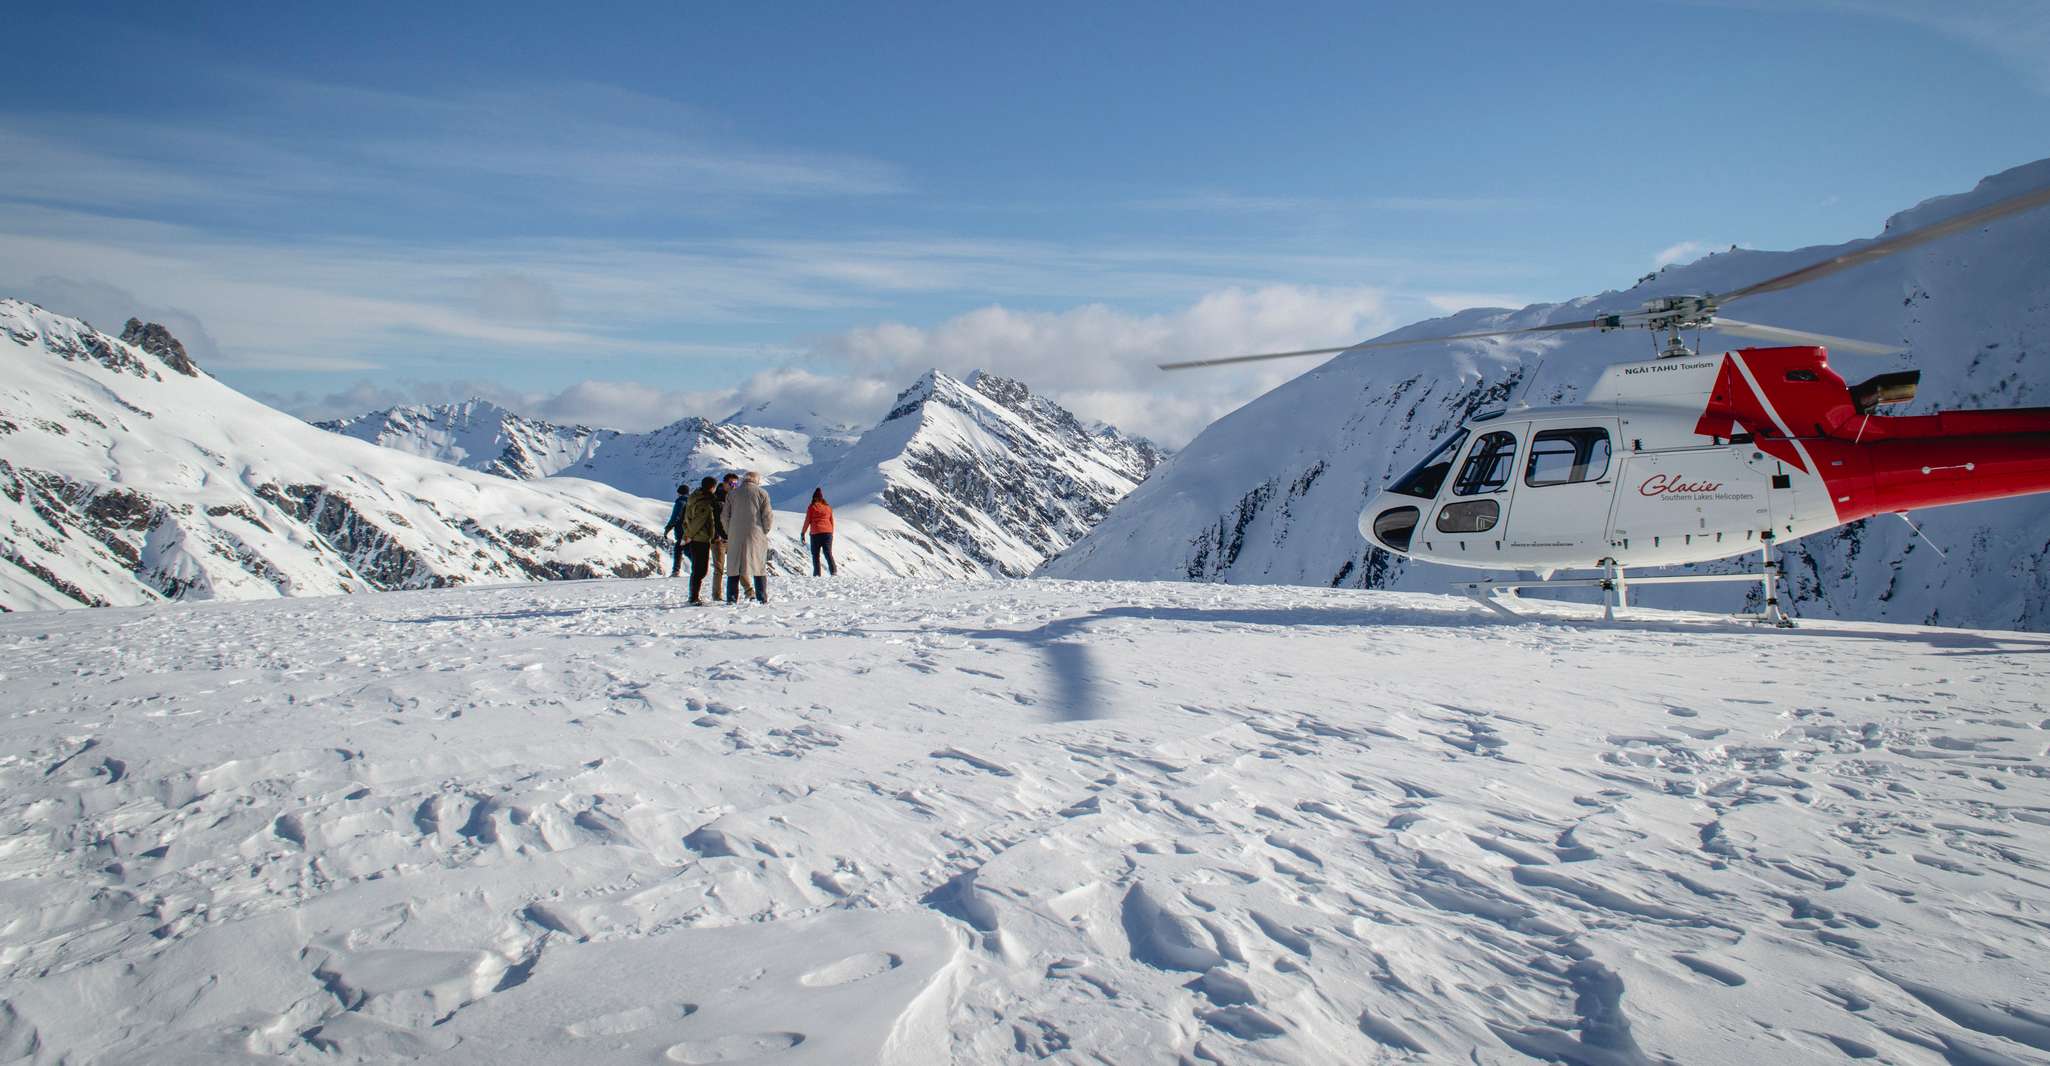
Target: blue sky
[(630, 214)]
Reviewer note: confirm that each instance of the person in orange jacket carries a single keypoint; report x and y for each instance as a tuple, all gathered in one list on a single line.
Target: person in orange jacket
[(818, 523)]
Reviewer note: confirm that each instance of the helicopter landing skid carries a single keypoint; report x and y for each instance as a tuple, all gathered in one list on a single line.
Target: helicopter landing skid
[(1615, 586)]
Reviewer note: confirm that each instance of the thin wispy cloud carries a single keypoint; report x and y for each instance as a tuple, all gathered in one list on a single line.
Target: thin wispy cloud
[(1687, 252), (575, 149), (2017, 31), (322, 303), (1227, 203)]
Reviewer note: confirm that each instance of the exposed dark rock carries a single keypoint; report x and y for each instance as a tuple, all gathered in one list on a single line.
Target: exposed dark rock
[(368, 548), (122, 509), (46, 577), (157, 341), (90, 346)]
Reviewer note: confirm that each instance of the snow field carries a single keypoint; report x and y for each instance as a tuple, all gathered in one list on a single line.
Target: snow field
[(896, 821)]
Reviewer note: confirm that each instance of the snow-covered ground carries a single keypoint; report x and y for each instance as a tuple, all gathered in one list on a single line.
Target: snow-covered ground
[(1003, 821)]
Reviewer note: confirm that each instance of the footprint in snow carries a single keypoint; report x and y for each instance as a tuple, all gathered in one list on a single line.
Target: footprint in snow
[(732, 1048), (619, 1023), (850, 969)]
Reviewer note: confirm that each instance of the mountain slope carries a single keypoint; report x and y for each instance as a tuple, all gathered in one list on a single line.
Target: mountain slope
[(1272, 492), (129, 475), (480, 435), (995, 477)]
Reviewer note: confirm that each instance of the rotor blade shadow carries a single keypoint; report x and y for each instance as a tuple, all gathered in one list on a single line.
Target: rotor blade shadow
[(1077, 695)]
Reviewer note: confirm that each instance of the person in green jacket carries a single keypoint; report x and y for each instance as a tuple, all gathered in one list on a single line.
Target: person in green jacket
[(699, 529)]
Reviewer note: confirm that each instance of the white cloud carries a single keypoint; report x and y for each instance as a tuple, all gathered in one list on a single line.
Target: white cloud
[(1683, 252), (1101, 363), (628, 405), (786, 396)]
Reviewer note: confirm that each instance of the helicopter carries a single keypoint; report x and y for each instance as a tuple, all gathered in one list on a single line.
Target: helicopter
[(1687, 458)]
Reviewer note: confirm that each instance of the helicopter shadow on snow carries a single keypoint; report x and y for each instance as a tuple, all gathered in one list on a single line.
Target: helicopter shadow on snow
[(1079, 692)]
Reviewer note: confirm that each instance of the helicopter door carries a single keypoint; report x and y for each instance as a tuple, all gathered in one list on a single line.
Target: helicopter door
[(1784, 498), (1562, 506), (1468, 522)]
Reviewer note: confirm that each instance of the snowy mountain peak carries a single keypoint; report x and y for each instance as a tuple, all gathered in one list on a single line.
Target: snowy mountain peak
[(930, 385)]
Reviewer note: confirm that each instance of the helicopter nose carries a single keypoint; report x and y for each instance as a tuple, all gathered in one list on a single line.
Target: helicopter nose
[(1390, 522)]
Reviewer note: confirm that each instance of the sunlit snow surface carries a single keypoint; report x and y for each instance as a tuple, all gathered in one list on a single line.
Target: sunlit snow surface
[(1005, 821)]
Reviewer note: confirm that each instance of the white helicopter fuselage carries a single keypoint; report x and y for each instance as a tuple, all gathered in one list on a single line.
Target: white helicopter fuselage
[(1627, 478)]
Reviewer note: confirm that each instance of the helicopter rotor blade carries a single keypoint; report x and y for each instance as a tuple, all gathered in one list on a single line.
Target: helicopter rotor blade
[(1888, 246), (1802, 336), (1556, 327)]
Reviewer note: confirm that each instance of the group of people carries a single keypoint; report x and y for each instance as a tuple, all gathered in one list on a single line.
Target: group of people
[(724, 526)]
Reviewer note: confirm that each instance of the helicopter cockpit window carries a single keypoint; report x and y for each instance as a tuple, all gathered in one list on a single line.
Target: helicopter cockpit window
[(1424, 480), (1567, 457), (1488, 466)]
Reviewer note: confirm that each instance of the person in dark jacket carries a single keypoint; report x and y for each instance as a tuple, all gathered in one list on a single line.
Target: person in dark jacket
[(818, 522), (699, 529), (676, 526)]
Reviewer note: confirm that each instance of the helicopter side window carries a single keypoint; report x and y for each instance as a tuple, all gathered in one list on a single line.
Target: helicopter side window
[(1488, 467), (1424, 480), (1468, 516), (1567, 457)]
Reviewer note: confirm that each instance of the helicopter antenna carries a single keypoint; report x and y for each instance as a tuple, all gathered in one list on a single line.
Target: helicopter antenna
[(1918, 532), (1523, 391)]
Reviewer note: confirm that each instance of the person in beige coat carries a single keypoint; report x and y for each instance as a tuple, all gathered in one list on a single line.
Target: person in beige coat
[(748, 518)]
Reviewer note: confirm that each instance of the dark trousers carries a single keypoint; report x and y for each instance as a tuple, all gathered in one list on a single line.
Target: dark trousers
[(700, 553), (733, 589), (823, 542), (675, 558)]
